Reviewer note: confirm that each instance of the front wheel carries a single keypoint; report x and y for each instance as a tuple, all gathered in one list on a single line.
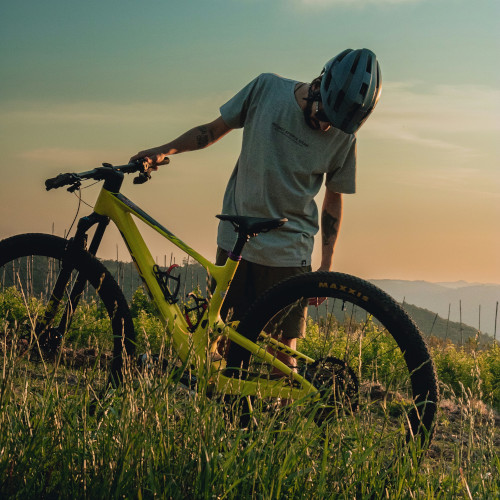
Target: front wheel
[(373, 369), (77, 341)]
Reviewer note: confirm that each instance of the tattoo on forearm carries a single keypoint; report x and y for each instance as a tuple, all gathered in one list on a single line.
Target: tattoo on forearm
[(329, 228), (204, 138)]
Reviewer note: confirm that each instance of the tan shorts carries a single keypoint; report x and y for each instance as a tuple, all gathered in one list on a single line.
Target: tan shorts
[(250, 281)]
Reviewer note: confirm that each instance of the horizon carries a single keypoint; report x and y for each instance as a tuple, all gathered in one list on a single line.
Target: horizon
[(472, 304), (457, 282), (442, 283), (88, 83), (467, 283)]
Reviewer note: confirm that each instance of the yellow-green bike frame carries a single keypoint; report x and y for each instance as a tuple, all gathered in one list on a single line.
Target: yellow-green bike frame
[(194, 348)]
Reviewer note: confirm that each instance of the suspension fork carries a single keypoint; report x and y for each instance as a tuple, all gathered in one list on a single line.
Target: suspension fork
[(78, 242)]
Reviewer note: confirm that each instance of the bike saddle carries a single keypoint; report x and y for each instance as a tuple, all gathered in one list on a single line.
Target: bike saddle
[(251, 226)]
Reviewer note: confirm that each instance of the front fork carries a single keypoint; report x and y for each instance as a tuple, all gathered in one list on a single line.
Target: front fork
[(50, 336)]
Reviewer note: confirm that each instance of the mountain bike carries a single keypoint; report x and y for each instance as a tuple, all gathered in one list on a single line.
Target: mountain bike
[(364, 359)]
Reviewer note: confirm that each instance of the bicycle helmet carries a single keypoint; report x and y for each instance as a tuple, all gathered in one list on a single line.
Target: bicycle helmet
[(350, 88)]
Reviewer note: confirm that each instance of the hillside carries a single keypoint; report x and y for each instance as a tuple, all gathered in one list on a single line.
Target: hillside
[(193, 276), (427, 303), (422, 300), (430, 323), (478, 302)]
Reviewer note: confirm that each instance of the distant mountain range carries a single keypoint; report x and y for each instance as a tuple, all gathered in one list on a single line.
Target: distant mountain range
[(478, 302)]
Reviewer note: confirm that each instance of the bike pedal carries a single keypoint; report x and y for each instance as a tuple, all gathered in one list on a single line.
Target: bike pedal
[(145, 361), (188, 381)]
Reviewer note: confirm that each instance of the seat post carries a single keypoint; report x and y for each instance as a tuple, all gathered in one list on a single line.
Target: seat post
[(235, 254), (246, 227)]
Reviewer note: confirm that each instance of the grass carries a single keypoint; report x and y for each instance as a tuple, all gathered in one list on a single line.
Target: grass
[(154, 438)]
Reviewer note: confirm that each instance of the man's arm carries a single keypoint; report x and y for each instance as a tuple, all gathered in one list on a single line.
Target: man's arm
[(197, 138), (331, 217)]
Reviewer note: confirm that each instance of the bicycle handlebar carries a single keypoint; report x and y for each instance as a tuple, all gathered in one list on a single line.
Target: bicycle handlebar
[(100, 173), (60, 181)]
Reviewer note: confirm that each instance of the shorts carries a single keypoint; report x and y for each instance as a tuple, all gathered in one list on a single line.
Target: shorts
[(249, 282)]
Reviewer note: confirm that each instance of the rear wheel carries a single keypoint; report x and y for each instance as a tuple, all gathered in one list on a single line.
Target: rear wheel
[(373, 370), (78, 347)]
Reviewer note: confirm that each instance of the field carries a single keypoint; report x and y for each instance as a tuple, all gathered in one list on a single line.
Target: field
[(156, 438)]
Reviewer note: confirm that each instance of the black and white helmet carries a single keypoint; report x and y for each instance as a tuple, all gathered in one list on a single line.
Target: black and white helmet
[(350, 88)]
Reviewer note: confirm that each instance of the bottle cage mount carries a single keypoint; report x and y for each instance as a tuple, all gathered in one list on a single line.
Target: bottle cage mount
[(170, 286), (198, 309), (164, 279)]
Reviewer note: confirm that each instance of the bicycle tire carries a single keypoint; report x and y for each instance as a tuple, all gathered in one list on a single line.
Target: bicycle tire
[(386, 326), (96, 342)]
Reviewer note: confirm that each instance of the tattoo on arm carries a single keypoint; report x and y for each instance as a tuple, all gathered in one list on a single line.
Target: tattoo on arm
[(204, 138), (329, 228)]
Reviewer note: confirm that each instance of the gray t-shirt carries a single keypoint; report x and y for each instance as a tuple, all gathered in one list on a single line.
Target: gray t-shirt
[(280, 170)]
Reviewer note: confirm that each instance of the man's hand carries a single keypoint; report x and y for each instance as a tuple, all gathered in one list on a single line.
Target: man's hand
[(153, 157), (317, 301)]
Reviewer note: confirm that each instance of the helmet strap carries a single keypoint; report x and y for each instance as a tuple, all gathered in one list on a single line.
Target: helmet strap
[(312, 97)]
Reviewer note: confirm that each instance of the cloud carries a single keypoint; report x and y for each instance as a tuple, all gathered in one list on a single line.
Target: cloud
[(460, 121), (476, 182), (108, 113), (447, 133), (459, 108), (437, 117), (67, 157)]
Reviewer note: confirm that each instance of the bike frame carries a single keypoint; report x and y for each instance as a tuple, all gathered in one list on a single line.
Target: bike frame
[(194, 347)]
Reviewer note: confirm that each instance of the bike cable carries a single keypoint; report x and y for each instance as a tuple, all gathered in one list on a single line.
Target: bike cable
[(79, 196)]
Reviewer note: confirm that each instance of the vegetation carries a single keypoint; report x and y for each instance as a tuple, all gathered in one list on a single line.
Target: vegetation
[(154, 437), (194, 276)]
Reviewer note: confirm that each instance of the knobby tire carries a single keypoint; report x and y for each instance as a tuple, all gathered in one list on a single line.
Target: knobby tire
[(357, 320), (28, 265)]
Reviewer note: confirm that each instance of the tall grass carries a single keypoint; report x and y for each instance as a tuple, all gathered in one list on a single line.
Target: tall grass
[(155, 437)]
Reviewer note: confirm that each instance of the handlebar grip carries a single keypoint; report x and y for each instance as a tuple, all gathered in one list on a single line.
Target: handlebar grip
[(60, 181)]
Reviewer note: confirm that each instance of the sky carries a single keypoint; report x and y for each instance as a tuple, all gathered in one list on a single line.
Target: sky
[(89, 82)]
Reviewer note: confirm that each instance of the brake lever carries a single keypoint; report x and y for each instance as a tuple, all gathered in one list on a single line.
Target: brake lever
[(142, 177), (74, 187), (145, 176)]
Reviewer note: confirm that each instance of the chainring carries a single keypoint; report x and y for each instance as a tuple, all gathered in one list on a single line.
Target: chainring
[(338, 386)]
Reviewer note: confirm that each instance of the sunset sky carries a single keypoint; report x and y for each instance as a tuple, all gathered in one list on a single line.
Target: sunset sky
[(85, 82)]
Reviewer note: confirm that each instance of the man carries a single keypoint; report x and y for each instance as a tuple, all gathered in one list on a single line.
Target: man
[(295, 135)]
